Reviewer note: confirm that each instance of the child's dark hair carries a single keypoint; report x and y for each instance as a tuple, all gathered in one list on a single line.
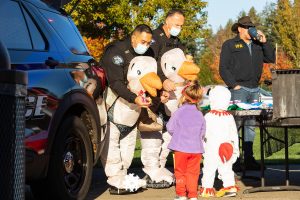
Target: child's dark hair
[(192, 93)]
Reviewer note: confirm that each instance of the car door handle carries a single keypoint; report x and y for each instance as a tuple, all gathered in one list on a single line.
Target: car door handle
[(51, 62)]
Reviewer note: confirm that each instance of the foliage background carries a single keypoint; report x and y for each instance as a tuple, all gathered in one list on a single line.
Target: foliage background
[(108, 20), (102, 21)]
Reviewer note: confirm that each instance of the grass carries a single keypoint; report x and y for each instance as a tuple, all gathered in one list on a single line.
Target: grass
[(136, 162), (275, 158), (278, 157)]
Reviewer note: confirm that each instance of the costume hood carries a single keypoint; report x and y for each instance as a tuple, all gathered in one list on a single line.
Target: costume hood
[(142, 75), (176, 67), (219, 98)]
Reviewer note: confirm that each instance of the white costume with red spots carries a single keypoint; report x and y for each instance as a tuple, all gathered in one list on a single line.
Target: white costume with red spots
[(220, 128)]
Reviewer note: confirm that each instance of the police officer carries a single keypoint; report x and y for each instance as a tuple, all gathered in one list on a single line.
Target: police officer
[(165, 38), (241, 64), (154, 145), (117, 57), (118, 151)]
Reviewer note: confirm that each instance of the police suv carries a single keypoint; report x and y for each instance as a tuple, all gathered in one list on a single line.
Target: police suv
[(63, 131)]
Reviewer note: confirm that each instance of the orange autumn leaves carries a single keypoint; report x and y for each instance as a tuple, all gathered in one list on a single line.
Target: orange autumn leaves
[(96, 46)]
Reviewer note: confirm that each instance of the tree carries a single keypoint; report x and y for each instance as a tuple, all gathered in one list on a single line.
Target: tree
[(210, 56), (114, 19), (107, 20), (287, 28)]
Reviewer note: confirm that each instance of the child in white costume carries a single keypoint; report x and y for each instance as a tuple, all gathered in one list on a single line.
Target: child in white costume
[(221, 145)]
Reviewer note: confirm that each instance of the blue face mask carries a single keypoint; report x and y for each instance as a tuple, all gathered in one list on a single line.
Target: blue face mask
[(174, 31), (141, 49), (83, 81)]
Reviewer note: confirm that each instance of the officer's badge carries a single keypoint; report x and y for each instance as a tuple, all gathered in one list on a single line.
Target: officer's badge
[(152, 41), (238, 46), (118, 60)]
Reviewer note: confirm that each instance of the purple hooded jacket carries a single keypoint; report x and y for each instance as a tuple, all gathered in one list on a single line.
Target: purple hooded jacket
[(187, 127)]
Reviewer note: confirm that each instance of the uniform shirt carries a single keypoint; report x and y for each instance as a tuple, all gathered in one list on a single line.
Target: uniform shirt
[(115, 61), (240, 67), (161, 44), (187, 127)]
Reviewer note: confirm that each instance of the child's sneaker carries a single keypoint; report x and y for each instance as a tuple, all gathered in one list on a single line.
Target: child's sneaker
[(227, 192), (207, 192), (180, 198)]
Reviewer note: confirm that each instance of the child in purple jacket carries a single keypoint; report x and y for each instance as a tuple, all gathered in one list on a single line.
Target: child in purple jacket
[(187, 127)]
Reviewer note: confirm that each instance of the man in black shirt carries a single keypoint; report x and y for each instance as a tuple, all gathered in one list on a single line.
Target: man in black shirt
[(117, 57), (241, 64), (165, 38), (118, 151), (154, 144)]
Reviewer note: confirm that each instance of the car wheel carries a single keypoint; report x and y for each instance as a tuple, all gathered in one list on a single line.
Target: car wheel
[(70, 168)]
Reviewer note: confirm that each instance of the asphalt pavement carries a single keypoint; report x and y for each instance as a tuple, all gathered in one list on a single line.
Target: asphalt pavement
[(274, 176)]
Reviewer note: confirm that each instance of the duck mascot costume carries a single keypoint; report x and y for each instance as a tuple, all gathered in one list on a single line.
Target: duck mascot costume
[(154, 145), (121, 130), (221, 145)]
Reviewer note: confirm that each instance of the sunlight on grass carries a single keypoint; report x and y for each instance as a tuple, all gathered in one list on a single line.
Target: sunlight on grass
[(278, 157), (275, 158)]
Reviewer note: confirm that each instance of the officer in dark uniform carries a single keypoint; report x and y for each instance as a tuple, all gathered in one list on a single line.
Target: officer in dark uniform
[(119, 149), (117, 57), (241, 64), (165, 38), (154, 145)]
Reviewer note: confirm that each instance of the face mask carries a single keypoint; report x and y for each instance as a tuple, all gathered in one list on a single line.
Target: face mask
[(140, 48), (175, 31), (83, 81)]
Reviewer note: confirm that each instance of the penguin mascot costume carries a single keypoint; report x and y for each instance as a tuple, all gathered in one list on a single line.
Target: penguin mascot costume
[(121, 132)]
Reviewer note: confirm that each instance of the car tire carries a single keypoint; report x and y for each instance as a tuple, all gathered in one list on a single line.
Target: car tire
[(71, 164)]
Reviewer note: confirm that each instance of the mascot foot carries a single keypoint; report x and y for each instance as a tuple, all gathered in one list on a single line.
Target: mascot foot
[(128, 184), (207, 192), (116, 191), (156, 185), (227, 192)]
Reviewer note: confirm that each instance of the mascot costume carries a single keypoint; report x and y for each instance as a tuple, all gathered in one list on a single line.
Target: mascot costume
[(154, 144), (121, 128), (221, 145)]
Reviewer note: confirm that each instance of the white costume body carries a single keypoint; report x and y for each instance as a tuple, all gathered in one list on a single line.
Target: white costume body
[(220, 128), (154, 144), (119, 148)]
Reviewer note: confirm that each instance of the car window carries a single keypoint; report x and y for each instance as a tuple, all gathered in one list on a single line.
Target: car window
[(37, 39), (64, 27), (13, 31)]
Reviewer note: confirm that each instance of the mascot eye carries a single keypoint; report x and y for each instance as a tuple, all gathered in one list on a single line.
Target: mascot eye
[(138, 72), (174, 68)]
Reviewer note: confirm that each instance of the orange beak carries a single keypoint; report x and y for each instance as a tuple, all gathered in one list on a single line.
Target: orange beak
[(151, 82), (189, 70)]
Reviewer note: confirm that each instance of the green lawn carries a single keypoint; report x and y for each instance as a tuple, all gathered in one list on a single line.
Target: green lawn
[(276, 158)]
